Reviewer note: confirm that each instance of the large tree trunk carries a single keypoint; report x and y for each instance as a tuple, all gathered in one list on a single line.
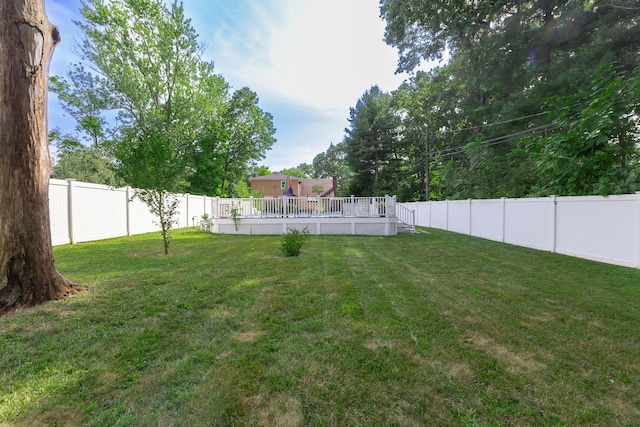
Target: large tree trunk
[(27, 273)]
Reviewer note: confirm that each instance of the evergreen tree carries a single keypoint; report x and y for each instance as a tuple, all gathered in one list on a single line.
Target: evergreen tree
[(373, 150)]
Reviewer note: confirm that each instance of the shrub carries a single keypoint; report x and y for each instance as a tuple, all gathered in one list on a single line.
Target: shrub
[(292, 241)]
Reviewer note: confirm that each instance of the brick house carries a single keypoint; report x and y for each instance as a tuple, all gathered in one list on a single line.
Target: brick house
[(275, 185)]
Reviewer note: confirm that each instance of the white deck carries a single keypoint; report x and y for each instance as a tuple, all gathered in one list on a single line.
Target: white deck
[(371, 216), (370, 226)]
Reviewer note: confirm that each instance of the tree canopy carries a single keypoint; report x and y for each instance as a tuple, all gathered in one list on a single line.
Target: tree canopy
[(537, 97), (178, 128)]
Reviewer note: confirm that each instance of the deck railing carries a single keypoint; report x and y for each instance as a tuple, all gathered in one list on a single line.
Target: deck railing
[(286, 206), (406, 216)]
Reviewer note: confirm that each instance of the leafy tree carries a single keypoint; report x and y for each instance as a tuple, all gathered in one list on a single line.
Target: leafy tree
[(237, 135), (595, 150), (507, 58), (85, 164), (429, 105), (84, 97), (150, 62), (261, 170), (250, 133), (303, 170), (333, 163), (77, 161), (27, 272)]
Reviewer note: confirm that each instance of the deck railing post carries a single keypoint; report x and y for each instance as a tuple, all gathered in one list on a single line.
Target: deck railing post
[(285, 202)]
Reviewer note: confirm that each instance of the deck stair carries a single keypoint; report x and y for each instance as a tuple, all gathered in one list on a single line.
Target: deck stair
[(406, 219)]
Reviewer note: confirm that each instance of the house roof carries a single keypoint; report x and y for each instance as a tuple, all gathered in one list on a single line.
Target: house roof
[(275, 177), (326, 183)]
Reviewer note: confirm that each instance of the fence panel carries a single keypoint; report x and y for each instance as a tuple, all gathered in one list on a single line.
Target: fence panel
[(439, 215), (99, 212), (487, 219), (459, 216), (605, 229), (529, 223), (182, 219), (598, 228), (140, 219), (197, 207), (59, 211)]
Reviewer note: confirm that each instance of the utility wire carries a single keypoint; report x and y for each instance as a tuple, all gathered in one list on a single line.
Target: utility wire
[(499, 139), (489, 142), (494, 123)]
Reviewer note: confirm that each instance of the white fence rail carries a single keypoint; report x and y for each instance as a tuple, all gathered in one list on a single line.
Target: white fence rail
[(82, 212), (605, 229), (304, 207)]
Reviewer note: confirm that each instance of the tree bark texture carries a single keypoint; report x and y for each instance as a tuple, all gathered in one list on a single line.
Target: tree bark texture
[(27, 272)]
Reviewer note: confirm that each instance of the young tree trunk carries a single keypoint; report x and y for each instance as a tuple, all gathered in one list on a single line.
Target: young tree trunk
[(27, 272)]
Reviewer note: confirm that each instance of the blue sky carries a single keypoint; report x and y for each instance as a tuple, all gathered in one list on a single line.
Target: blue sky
[(308, 61)]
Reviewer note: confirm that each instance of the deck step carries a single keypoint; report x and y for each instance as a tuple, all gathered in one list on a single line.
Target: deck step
[(405, 228)]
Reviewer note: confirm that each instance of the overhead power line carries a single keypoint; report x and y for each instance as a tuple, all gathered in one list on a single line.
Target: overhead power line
[(489, 142), (497, 140), (494, 123)]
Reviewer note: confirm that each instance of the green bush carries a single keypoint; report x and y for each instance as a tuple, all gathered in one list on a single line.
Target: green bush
[(292, 241)]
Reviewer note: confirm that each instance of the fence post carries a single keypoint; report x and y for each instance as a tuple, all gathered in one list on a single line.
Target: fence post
[(638, 229), (554, 229), (446, 215), (413, 218), (470, 220), (128, 209), (504, 218), (187, 203), (70, 190)]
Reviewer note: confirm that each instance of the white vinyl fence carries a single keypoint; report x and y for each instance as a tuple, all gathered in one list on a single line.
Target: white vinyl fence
[(605, 229), (81, 212)]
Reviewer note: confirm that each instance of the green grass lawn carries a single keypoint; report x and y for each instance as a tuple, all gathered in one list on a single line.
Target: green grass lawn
[(425, 329)]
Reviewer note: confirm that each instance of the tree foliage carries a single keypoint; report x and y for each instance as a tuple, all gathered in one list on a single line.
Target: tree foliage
[(240, 137), (595, 149), (536, 98), (178, 127), (85, 164), (84, 97), (303, 170), (373, 150), (150, 62), (80, 162), (333, 163)]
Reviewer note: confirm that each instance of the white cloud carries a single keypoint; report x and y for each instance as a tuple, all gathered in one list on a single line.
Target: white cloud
[(319, 54), (308, 61)]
